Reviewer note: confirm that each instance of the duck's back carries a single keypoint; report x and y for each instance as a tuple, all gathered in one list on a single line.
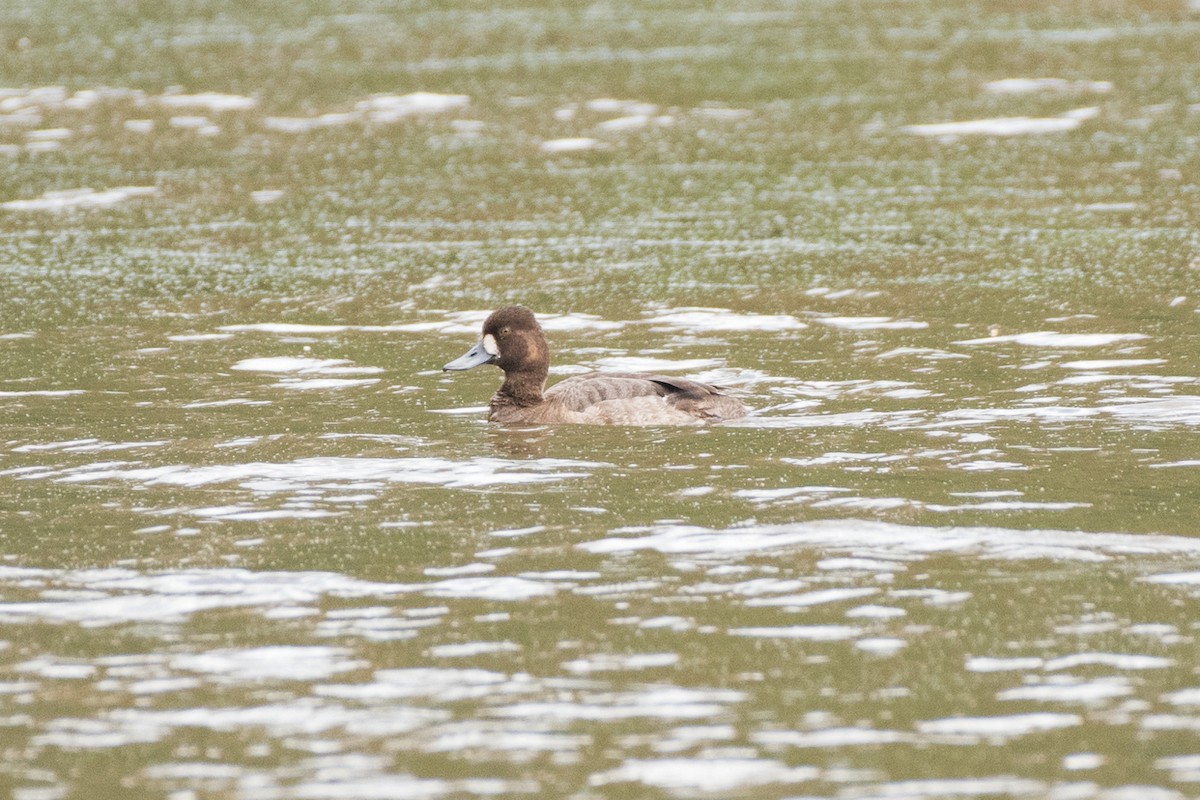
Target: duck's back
[(622, 398)]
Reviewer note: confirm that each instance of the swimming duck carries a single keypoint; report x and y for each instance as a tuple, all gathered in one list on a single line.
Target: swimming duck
[(513, 340)]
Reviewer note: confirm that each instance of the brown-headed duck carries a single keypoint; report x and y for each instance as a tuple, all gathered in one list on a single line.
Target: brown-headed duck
[(513, 340)]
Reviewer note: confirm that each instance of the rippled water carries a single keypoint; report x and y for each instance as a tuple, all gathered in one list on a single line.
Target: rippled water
[(255, 544)]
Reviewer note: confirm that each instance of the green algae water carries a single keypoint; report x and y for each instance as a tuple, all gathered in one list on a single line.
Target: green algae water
[(255, 544)]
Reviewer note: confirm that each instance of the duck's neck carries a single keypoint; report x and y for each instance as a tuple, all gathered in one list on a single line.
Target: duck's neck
[(521, 388)]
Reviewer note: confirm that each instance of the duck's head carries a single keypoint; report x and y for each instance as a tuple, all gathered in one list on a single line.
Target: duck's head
[(511, 339)]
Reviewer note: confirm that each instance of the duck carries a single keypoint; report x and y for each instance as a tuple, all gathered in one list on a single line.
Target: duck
[(513, 340)]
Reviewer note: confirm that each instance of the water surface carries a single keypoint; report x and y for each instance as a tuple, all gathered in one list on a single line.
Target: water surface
[(256, 544)]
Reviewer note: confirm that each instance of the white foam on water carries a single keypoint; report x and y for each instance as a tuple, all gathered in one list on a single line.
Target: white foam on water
[(568, 575), (767, 495), (323, 383), (1112, 207), (43, 393), (907, 394), (508, 738), (288, 328), (904, 542), (1183, 697), (755, 587), (1006, 505), (570, 144), (240, 512), (451, 323), (1122, 661), (873, 611), (722, 113), (707, 775), (233, 401), (577, 322), (1054, 339), (837, 457), (307, 124), (702, 320), (264, 197), (944, 788), (809, 633), (504, 588), (1171, 722), (651, 364), (1081, 761), (298, 364), (1005, 126), (881, 645), (296, 717), (1022, 86), (388, 787), (853, 419), (386, 108), (1175, 578), (211, 101), (985, 416), (297, 663), (620, 662), (1112, 363), (69, 199), (465, 569), (471, 649), (129, 596), (1071, 691), (441, 684), (654, 702), (380, 109), (201, 125), (923, 353), (199, 337), (830, 738), (464, 411), (193, 770), (95, 598), (508, 533), (49, 135), (860, 565), (999, 664), (70, 443), (819, 597), (633, 122), (872, 323), (88, 446), (686, 737), (1184, 409), (611, 105), (46, 667), (989, 465), (1000, 727), (305, 472)]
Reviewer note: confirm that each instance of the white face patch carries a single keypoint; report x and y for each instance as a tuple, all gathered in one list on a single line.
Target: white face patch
[(490, 346)]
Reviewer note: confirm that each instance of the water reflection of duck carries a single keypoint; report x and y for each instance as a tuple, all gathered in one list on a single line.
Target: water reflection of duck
[(513, 340)]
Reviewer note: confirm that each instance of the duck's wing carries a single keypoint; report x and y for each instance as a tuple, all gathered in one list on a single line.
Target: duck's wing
[(702, 401)]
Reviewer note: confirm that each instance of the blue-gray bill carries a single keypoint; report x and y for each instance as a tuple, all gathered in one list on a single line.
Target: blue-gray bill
[(474, 357)]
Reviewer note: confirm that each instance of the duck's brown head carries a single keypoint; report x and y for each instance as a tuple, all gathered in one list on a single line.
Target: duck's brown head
[(513, 340)]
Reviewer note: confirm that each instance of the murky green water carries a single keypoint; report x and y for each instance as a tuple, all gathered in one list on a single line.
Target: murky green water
[(256, 545)]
